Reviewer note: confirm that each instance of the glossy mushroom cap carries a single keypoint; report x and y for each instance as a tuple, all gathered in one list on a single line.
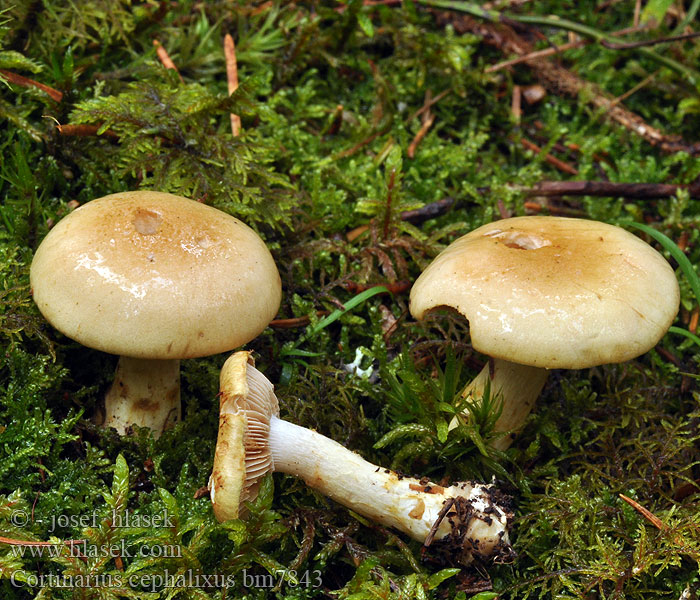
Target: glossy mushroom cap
[(152, 275), (553, 292)]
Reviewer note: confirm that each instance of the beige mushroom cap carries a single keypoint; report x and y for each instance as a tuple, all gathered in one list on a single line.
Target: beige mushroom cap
[(553, 292), (153, 275)]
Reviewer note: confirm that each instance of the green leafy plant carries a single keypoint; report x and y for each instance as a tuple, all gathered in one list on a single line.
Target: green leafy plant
[(450, 429), (686, 268)]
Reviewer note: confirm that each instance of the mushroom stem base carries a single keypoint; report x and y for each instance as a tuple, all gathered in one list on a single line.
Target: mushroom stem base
[(144, 392), (518, 387)]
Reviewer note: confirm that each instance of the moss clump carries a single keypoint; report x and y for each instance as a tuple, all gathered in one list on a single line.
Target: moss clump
[(352, 115)]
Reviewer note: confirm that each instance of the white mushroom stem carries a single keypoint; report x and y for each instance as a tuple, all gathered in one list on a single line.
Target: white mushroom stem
[(474, 525), (145, 392), (516, 386)]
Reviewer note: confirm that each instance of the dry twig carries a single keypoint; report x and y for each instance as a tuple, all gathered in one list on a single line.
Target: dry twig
[(83, 130), (640, 191), (428, 120), (552, 160), (296, 321), (429, 211), (396, 287), (648, 515), (429, 103), (559, 80), (516, 104), (433, 530), (536, 54), (693, 325), (643, 43)]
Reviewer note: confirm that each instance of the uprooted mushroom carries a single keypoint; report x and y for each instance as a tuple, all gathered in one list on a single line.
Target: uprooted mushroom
[(546, 293), (469, 520)]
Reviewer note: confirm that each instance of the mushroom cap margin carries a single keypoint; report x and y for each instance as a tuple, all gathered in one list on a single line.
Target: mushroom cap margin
[(242, 457), (553, 292)]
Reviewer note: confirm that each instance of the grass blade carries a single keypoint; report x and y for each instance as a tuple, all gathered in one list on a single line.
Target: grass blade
[(349, 305), (678, 254), (686, 333)]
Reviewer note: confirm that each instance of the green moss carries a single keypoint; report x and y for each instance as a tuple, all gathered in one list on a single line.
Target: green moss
[(328, 98)]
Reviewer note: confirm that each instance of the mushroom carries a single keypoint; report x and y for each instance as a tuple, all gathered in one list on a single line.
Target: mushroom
[(154, 278), (468, 520), (548, 293)]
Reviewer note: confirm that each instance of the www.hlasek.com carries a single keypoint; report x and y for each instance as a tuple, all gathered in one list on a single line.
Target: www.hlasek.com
[(82, 549), (166, 580)]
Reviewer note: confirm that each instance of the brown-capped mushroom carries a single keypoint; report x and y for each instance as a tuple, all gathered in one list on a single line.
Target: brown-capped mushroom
[(254, 441), (546, 293), (154, 278)]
